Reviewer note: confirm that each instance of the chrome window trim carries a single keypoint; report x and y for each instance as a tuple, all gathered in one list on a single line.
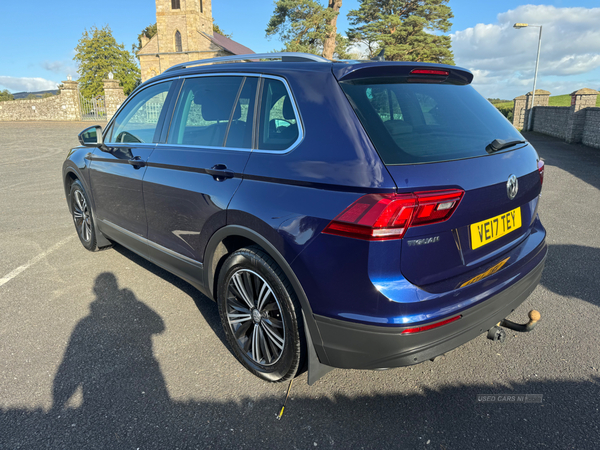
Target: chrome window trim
[(299, 120), (131, 144), (202, 147)]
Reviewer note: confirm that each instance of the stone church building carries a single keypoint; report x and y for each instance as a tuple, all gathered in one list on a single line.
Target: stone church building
[(185, 33)]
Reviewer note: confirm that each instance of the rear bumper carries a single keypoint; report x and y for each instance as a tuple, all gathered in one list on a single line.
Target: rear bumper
[(351, 345)]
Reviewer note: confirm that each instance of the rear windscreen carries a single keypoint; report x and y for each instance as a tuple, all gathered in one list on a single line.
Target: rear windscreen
[(411, 123)]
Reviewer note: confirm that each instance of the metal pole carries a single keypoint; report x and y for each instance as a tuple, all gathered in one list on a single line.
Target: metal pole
[(537, 62)]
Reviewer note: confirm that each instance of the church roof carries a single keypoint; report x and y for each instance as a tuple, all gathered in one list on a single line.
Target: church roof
[(230, 45)]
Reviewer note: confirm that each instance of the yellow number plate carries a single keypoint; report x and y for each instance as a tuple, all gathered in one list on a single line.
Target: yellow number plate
[(491, 229)]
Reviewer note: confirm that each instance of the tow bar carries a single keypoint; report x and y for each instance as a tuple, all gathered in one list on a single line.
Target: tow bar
[(498, 334)]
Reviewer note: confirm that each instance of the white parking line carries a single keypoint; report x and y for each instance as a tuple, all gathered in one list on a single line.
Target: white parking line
[(5, 279)]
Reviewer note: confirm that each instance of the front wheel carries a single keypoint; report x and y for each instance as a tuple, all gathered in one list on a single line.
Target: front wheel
[(82, 216), (260, 315)]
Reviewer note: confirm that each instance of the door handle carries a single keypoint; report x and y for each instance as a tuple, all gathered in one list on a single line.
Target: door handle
[(220, 172), (136, 162)]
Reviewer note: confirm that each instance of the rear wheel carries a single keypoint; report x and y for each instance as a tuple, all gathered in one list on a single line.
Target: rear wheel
[(82, 216), (260, 315)]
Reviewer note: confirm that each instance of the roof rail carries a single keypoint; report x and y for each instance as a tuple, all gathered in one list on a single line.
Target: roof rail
[(283, 56)]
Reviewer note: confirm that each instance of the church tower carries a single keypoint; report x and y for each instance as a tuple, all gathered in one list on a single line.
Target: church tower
[(184, 33), (189, 18)]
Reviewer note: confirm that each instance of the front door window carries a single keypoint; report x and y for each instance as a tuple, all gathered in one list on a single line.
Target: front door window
[(137, 121)]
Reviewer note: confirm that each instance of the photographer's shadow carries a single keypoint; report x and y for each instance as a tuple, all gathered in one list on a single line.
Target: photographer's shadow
[(109, 362)]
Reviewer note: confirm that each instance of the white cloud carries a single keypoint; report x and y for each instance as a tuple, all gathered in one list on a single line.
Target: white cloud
[(18, 84), (503, 58)]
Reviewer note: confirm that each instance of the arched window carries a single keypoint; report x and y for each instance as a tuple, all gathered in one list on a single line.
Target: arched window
[(175, 4), (178, 47)]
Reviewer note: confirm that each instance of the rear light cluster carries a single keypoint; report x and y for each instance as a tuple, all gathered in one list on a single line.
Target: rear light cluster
[(541, 167), (378, 217)]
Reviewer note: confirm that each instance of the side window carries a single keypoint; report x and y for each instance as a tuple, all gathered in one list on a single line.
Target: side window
[(204, 110), (240, 129), (137, 121), (278, 122)]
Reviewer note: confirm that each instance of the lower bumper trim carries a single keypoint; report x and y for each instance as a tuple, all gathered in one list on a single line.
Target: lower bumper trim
[(356, 346)]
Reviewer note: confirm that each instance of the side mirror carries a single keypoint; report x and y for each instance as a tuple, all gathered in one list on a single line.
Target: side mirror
[(92, 137)]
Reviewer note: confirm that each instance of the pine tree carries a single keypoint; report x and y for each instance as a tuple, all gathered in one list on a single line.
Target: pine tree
[(404, 28), (330, 41), (304, 26), (98, 54)]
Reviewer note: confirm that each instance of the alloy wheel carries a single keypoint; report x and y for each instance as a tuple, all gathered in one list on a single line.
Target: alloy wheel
[(254, 315), (81, 216)]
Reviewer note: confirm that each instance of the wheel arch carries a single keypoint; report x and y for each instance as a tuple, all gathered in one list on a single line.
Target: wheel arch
[(233, 237), (69, 177)]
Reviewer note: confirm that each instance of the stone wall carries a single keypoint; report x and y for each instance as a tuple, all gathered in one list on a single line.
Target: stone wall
[(523, 105), (551, 120), (591, 130), (64, 106), (578, 123)]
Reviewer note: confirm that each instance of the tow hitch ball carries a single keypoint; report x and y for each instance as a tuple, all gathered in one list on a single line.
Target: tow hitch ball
[(498, 334)]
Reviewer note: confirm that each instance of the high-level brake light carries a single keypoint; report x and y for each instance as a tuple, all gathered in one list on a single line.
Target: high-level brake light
[(378, 217), (430, 72)]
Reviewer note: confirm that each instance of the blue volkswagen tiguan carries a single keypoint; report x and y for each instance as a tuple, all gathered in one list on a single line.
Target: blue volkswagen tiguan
[(345, 214)]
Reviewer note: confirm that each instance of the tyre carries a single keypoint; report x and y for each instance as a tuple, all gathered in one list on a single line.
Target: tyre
[(82, 216), (260, 315)]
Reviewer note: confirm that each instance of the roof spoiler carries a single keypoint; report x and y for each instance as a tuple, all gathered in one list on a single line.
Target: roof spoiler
[(411, 71)]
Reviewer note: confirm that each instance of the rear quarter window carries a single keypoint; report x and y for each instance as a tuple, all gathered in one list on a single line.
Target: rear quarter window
[(278, 128), (411, 123)]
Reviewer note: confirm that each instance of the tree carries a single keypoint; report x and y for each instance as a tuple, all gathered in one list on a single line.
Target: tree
[(98, 54), (31, 97), (216, 29), (304, 25), (404, 28), (330, 41), (5, 95), (149, 32)]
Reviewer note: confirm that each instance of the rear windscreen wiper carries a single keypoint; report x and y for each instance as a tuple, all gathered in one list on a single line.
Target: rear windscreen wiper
[(499, 144)]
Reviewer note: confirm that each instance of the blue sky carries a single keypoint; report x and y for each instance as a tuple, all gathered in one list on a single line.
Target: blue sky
[(40, 37)]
